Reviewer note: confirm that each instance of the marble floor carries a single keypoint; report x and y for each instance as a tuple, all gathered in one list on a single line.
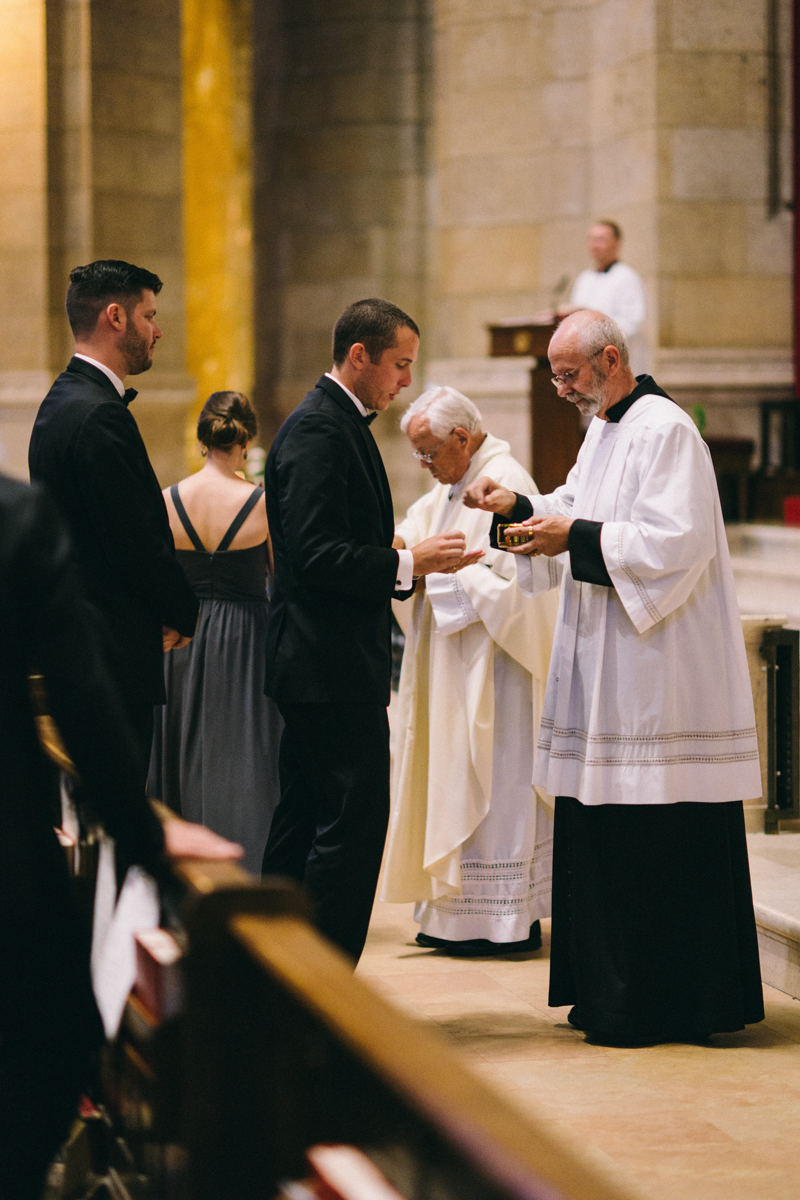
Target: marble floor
[(719, 1121)]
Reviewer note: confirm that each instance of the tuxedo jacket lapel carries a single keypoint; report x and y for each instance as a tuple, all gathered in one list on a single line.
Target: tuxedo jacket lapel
[(369, 450)]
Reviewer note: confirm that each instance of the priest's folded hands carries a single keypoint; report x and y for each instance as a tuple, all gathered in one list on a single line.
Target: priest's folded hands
[(550, 534)]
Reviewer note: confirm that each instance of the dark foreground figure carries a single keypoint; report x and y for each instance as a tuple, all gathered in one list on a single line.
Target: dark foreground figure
[(49, 1024)]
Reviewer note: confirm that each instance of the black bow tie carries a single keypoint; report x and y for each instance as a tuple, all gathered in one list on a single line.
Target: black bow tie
[(130, 394), (370, 418)]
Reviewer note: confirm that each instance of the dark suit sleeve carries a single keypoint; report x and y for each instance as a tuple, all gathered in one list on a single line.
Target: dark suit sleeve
[(124, 504), (520, 512), (312, 478), (64, 646)]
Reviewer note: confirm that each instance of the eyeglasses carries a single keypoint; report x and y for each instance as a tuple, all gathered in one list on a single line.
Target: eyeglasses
[(431, 455), (568, 376)]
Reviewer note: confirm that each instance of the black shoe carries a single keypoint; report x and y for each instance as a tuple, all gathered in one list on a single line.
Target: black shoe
[(574, 1018), (482, 947)]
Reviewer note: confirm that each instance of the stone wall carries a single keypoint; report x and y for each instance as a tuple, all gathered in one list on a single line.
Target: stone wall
[(91, 157), (24, 359), (649, 112), (340, 177)]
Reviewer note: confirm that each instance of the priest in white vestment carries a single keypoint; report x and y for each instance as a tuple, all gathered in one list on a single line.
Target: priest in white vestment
[(612, 287), (468, 838), (648, 736)]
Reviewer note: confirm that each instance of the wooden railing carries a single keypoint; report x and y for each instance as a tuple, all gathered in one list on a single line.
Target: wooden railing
[(283, 1048)]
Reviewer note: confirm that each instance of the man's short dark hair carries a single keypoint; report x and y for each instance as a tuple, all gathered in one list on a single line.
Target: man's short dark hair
[(613, 226), (374, 324), (107, 281)]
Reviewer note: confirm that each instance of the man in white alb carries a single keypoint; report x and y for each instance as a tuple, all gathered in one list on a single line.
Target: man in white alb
[(468, 838), (613, 288), (648, 736)]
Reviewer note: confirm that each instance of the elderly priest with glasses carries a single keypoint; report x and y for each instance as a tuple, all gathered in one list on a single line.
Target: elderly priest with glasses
[(648, 736), (468, 838)]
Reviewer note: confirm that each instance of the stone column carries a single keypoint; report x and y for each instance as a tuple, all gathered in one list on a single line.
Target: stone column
[(91, 154), (340, 175), (24, 357), (217, 176)]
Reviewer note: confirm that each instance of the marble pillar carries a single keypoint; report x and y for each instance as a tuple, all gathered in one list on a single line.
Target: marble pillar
[(217, 189)]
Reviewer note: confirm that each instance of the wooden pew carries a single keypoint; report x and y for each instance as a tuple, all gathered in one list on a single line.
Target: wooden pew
[(283, 1048)]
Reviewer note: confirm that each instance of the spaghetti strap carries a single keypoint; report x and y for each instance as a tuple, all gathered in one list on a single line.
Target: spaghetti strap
[(184, 519), (240, 518)]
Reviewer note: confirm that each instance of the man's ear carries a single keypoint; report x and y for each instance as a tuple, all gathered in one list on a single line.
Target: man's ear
[(357, 355), (116, 316), (612, 358)]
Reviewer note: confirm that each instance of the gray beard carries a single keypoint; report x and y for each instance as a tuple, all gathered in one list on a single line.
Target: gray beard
[(590, 405)]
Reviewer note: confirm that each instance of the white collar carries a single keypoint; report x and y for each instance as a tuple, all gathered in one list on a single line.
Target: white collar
[(115, 379), (364, 411)]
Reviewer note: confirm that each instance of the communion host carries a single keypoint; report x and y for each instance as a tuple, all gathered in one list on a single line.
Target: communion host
[(328, 638)]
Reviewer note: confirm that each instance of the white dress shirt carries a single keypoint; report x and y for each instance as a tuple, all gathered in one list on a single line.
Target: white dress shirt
[(115, 379), (405, 563)]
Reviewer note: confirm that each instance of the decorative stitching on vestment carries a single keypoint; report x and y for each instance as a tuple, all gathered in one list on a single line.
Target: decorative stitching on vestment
[(679, 736), (635, 580), (552, 570), (461, 596), (674, 760)]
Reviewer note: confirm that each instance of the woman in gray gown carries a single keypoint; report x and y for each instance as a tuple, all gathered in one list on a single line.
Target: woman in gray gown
[(215, 749)]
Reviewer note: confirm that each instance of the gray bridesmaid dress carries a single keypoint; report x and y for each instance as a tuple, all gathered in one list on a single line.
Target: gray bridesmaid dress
[(215, 748)]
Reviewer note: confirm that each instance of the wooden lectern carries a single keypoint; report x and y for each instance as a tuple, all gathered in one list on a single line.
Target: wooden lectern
[(556, 429)]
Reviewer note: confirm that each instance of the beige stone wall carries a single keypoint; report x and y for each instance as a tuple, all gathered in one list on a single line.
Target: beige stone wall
[(90, 149), (544, 119), (23, 226), (724, 263), (340, 178)]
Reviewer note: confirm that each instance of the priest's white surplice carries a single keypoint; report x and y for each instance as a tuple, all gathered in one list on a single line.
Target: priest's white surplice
[(466, 834), (648, 695)]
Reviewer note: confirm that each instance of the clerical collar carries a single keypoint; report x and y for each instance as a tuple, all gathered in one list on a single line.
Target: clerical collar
[(115, 379), (365, 412), (645, 386)]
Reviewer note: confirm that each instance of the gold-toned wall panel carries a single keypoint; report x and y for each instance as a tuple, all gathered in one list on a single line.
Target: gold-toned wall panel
[(217, 182)]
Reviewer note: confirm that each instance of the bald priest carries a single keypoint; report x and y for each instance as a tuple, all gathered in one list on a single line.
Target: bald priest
[(648, 737)]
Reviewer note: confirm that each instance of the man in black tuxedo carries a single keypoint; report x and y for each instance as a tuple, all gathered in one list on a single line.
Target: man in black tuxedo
[(87, 451), (49, 1024), (328, 638)]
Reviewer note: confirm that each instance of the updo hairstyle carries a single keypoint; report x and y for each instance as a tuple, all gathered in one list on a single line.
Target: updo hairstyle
[(227, 420)]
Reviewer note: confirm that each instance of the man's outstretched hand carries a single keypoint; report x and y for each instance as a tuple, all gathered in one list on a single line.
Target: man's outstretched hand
[(183, 839), (446, 552), (172, 640), (490, 496)]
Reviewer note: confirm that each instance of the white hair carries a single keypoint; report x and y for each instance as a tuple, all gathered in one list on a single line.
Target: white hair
[(594, 331), (446, 410)]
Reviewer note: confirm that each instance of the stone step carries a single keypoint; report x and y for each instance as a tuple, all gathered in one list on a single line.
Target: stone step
[(775, 873), (766, 568)]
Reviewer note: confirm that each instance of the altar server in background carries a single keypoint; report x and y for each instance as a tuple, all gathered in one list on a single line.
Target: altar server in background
[(648, 736), (469, 840), (611, 287)]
